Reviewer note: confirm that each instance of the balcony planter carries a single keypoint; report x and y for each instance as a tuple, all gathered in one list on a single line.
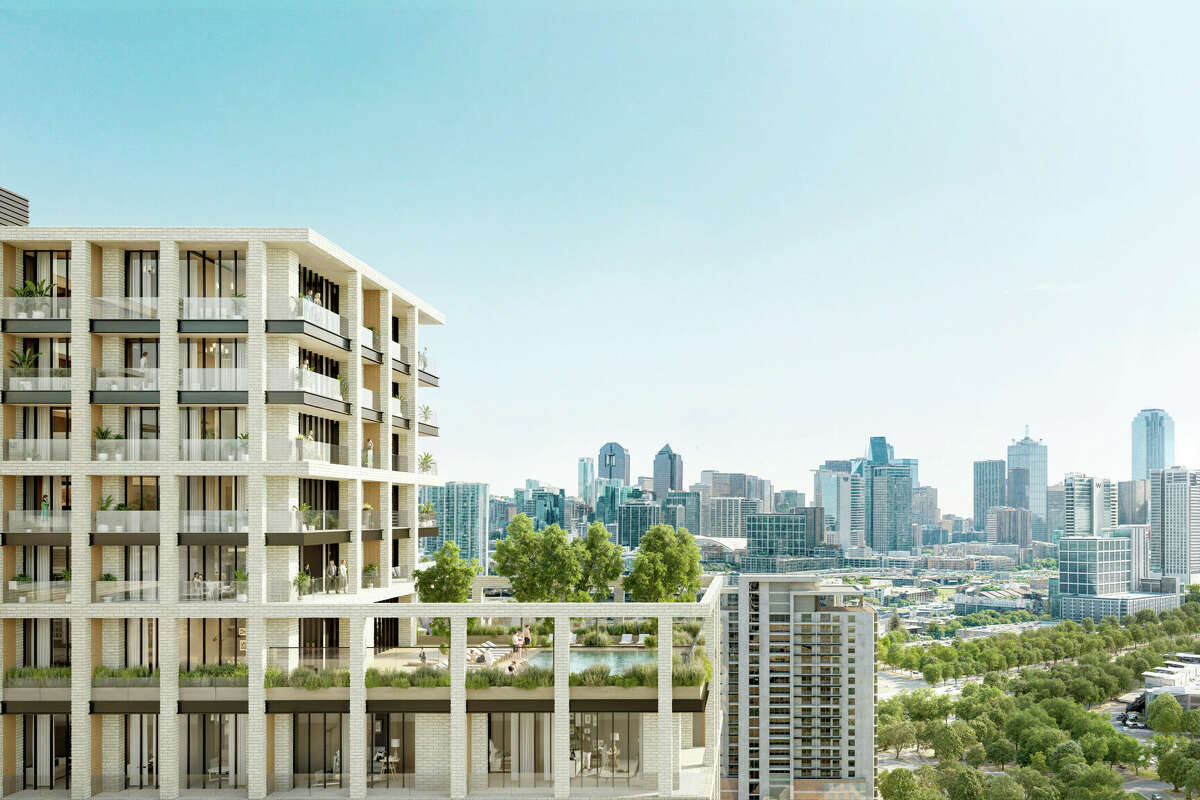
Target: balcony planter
[(308, 695), (512, 693), (410, 693), (124, 683), (212, 682)]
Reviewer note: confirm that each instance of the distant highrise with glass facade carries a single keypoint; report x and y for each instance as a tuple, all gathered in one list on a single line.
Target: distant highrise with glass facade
[(1153, 442), (634, 518), (1031, 455), (587, 481), (668, 472), (689, 516), (989, 490), (462, 516), (613, 462), (889, 495)]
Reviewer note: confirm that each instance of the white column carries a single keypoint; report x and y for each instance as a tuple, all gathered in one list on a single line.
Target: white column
[(356, 760), (168, 708), (458, 707), (562, 706), (168, 421), (666, 728), (351, 311), (256, 707), (257, 499)]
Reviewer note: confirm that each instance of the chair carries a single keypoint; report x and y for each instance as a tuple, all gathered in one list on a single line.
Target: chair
[(642, 638), (626, 638)]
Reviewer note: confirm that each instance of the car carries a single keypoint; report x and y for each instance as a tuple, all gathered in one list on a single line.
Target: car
[(1157, 796)]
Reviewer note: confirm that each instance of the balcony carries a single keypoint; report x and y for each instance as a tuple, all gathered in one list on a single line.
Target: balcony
[(38, 522), (125, 315), (369, 338), (304, 449), (214, 521), (299, 386), (306, 526), (34, 386), (202, 591), (215, 449), (212, 315), (427, 371), (121, 449), (125, 521), (125, 385), (111, 590), (38, 450), (283, 662), (23, 590), (297, 315), (213, 385), (314, 588), (427, 421), (36, 314)]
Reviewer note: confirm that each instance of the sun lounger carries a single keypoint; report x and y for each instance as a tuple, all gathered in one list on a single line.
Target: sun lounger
[(642, 638), (626, 638)]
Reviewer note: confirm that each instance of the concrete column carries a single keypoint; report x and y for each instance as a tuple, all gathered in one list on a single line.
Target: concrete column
[(81, 694), (257, 499), (383, 448), (351, 312), (256, 718), (562, 706), (82, 503), (385, 514), (458, 707), (356, 758), (666, 729), (168, 708), (713, 646)]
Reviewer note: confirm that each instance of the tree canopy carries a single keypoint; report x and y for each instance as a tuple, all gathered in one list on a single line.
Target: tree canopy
[(448, 579), (667, 567), (542, 566)]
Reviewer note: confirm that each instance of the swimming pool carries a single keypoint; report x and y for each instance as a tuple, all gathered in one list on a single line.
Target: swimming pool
[(618, 660)]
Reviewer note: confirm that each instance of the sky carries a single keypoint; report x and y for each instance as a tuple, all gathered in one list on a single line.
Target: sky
[(761, 232)]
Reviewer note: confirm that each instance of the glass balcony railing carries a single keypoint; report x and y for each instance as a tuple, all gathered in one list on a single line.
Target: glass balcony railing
[(125, 521), (202, 591), (370, 458), (372, 519), (298, 379), (54, 379), (212, 379), (120, 591), (125, 449), (212, 308), (399, 407), (38, 449), (366, 398), (286, 659), (368, 337), (300, 308), (315, 587), (125, 308), (301, 449), (306, 520), (22, 590), (36, 307), (125, 379), (214, 450), (214, 521), (38, 522), (425, 363), (427, 416)]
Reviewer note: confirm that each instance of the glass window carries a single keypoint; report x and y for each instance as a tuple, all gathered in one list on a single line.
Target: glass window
[(47, 752), (141, 273), (606, 750), (391, 748), (215, 745), (141, 751), (319, 745)]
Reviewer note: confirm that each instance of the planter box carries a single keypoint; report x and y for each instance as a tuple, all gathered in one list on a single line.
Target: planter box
[(127, 694), (511, 693), (412, 693), (213, 682), (614, 693), (292, 693), (212, 694), (124, 683), (44, 694)]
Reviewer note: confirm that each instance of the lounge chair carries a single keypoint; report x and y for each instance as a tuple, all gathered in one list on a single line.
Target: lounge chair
[(574, 636), (642, 638), (626, 638)]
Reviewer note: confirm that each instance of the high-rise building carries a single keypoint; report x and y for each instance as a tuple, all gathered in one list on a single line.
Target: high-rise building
[(1056, 510), (1175, 523), (739, 484), (1031, 455), (823, 727), (1007, 525), (879, 451), (613, 462), (889, 493), (689, 517), (841, 496), (462, 518), (1091, 565), (727, 516), (587, 480), (1016, 493), (989, 489), (1139, 551), (912, 465), (1133, 502), (548, 506), (773, 539), (925, 506), (634, 518), (668, 472), (1090, 505), (787, 500), (1153, 433)]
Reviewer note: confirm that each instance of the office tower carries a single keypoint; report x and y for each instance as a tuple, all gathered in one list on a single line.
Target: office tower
[(841, 496), (813, 733), (774, 542), (587, 481), (1056, 510), (739, 484), (787, 500), (925, 506), (1007, 525), (1153, 442), (634, 518), (1091, 565), (1175, 523), (204, 413), (1090, 505), (462, 518), (1016, 493), (14, 209), (1139, 551), (613, 462), (911, 464), (989, 489), (689, 517), (610, 494), (577, 513), (727, 516), (1031, 455), (668, 472), (1133, 502), (547, 506), (879, 451), (890, 515)]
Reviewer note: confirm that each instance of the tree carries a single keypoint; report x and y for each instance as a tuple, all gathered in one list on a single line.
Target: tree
[(1164, 714), (1002, 787), (894, 623), (932, 673), (966, 785), (448, 579), (899, 784), (667, 567), (1125, 750), (1173, 768), (976, 757), (1190, 722), (1001, 752), (1094, 746), (541, 565), (947, 744), (599, 561), (897, 736)]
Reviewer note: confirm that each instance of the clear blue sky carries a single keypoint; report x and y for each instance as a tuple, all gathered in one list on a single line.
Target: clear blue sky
[(761, 232)]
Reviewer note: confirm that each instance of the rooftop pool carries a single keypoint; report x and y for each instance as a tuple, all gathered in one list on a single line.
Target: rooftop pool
[(617, 659)]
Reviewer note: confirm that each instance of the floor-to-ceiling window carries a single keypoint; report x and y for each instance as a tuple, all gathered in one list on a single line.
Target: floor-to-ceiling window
[(391, 748), (141, 751), (215, 751), (141, 273), (211, 641), (319, 746), (46, 757), (141, 642), (213, 273), (519, 749), (46, 642), (52, 267), (606, 749)]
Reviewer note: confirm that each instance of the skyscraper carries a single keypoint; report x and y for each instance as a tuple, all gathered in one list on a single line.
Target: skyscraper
[(1133, 503), (1056, 505), (1017, 492), (689, 517), (890, 517), (668, 472), (634, 518), (587, 480), (727, 516), (739, 484), (1153, 442), (549, 507), (613, 462), (840, 494), (1090, 505), (989, 489), (925, 505), (462, 518), (787, 500), (1175, 523), (911, 463), (879, 451), (774, 540), (1031, 455)]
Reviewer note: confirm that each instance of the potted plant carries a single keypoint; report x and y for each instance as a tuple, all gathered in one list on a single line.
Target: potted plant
[(425, 462), (426, 413), (305, 513), (344, 388), (242, 451), (240, 581), (426, 514), (302, 582), (102, 523), (26, 360), (107, 577), (370, 573), (119, 526), (102, 434)]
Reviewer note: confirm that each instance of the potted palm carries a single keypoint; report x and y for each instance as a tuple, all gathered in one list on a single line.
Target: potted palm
[(242, 447), (26, 360), (425, 462), (20, 585), (302, 581), (240, 582), (426, 413), (370, 574), (107, 577), (102, 521)]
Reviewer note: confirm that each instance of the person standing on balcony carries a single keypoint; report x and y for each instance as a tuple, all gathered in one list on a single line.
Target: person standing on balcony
[(343, 577), (368, 453), (331, 576), (45, 506)]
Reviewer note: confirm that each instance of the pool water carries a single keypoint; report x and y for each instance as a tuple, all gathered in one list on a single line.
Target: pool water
[(617, 660)]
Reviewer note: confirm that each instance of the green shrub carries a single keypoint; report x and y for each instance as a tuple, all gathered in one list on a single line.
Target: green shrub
[(124, 672), (651, 641), (429, 677), (215, 671), (691, 672), (682, 638), (41, 673), (692, 626), (640, 675), (595, 675), (396, 679), (596, 639), (533, 678), (486, 678), (273, 677)]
